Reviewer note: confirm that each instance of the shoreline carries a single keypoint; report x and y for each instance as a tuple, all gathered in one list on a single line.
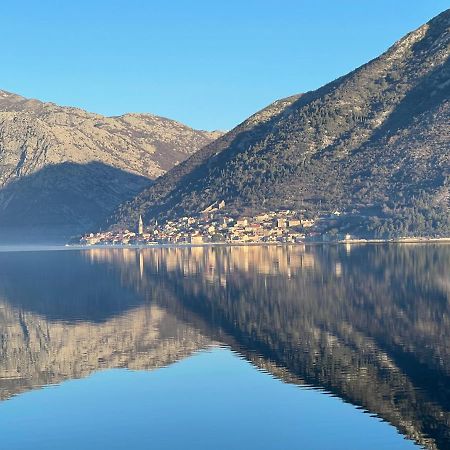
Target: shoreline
[(416, 240), (68, 247)]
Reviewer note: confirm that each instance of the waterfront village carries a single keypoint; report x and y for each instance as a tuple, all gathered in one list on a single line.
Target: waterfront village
[(214, 226)]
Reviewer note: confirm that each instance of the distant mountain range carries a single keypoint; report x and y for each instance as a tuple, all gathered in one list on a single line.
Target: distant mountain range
[(63, 170), (374, 144)]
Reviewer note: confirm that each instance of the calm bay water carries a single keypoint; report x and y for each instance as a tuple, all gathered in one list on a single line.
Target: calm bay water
[(323, 347)]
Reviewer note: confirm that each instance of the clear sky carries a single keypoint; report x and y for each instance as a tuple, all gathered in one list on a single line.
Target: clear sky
[(209, 64)]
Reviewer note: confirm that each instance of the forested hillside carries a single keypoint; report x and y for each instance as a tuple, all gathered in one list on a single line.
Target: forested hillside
[(374, 144)]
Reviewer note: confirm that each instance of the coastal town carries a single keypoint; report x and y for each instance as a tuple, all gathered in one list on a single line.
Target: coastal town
[(212, 225)]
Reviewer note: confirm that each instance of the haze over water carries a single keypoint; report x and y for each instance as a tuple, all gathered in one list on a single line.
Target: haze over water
[(226, 348)]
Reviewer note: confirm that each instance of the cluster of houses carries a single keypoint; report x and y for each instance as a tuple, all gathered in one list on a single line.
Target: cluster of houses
[(213, 226)]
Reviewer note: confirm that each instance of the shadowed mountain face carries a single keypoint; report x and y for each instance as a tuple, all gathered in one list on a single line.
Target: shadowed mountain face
[(374, 142), (64, 199), (62, 154), (369, 324)]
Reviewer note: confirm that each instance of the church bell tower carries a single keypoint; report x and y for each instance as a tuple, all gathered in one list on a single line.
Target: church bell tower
[(141, 225)]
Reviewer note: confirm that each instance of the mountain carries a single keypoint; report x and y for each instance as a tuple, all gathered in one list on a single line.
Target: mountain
[(62, 169), (373, 144)]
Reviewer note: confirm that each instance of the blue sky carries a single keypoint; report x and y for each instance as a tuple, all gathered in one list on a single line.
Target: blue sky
[(208, 64)]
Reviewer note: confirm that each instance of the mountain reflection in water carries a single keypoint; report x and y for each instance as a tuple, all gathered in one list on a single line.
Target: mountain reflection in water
[(369, 324)]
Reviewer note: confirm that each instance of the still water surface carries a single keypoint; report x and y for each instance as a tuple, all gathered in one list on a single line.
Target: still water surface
[(226, 348)]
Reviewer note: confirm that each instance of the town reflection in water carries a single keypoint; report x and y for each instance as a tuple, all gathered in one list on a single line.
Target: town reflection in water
[(369, 324)]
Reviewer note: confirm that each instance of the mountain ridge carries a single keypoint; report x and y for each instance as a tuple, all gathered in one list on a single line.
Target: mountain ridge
[(148, 130)]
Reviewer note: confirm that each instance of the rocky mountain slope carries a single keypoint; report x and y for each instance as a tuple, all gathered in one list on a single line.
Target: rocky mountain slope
[(373, 143), (65, 168)]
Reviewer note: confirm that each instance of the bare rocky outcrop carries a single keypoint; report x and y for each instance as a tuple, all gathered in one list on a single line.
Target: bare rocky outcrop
[(34, 134)]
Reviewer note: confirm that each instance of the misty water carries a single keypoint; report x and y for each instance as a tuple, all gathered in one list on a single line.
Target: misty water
[(316, 347)]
